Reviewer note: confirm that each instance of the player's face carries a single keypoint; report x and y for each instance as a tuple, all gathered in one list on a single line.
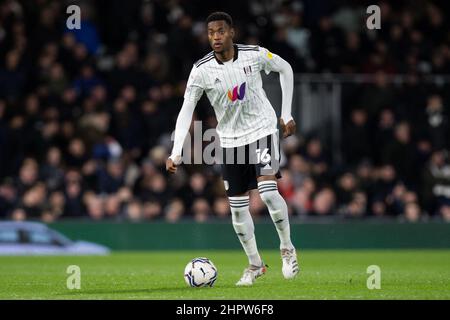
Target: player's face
[(220, 36)]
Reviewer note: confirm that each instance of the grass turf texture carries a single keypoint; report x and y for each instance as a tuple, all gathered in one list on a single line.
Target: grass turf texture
[(337, 274)]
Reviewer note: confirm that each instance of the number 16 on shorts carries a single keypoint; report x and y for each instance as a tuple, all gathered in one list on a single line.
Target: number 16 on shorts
[(264, 156)]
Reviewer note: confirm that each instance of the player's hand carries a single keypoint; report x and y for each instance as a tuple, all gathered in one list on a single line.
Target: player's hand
[(171, 166), (288, 129)]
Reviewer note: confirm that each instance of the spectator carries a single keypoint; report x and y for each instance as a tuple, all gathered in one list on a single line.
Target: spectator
[(412, 212), (377, 96), (356, 207), (315, 156), (12, 76), (76, 153), (401, 153), (86, 82), (324, 202), (8, 198), (133, 211), (56, 205), (303, 198), (73, 192), (94, 206), (112, 206), (155, 187), (52, 172), (350, 60), (3, 139), (28, 176), (445, 212), (346, 188), (385, 180), (437, 126), (198, 188), (200, 210), (357, 138), (152, 210), (436, 183), (33, 200), (221, 208), (326, 40), (111, 179), (298, 37), (286, 186), (384, 133), (299, 169), (378, 208), (174, 211)]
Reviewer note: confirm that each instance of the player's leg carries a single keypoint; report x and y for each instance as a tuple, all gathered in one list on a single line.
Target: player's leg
[(268, 190), (238, 180), (244, 227), (245, 230)]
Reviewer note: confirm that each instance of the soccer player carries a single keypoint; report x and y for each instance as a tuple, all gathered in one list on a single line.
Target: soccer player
[(247, 126)]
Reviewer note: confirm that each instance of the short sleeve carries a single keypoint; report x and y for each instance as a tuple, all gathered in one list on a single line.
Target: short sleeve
[(195, 85), (269, 61)]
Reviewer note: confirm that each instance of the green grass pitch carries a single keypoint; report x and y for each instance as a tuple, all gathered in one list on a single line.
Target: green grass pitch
[(325, 274)]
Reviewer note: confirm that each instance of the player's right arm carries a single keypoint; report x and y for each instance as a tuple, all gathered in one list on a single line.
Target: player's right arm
[(194, 91)]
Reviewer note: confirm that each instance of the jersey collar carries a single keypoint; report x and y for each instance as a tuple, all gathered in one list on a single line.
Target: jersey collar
[(234, 57)]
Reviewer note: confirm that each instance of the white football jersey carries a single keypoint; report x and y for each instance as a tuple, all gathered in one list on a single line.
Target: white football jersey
[(234, 89)]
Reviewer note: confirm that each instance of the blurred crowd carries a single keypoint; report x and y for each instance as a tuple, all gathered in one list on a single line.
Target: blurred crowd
[(86, 115)]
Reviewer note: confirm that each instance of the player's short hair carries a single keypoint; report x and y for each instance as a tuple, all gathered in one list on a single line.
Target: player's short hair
[(218, 16)]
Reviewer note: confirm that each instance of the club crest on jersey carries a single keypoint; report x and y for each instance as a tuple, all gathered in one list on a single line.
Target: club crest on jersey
[(247, 70), (234, 95)]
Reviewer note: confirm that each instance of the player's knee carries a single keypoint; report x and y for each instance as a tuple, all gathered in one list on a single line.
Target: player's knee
[(239, 207), (239, 214), (268, 192), (268, 196), (241, 218)]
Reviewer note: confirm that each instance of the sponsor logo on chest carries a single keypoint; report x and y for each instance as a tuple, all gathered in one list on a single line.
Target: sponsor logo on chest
[(237, 93)]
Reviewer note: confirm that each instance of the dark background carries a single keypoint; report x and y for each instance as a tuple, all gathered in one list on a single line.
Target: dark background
[(86, 115)]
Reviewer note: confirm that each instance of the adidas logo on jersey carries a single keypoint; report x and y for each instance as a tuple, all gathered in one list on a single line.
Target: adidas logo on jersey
[(217, 81)]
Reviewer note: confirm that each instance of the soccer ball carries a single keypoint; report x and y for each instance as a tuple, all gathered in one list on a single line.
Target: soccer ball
[(200, 272)]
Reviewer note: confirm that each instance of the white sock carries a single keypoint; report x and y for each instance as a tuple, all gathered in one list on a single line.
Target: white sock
[(278, 210), (244, 227)]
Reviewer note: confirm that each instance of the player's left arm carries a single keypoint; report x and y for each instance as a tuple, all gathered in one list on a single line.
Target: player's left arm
[(273, 62)]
